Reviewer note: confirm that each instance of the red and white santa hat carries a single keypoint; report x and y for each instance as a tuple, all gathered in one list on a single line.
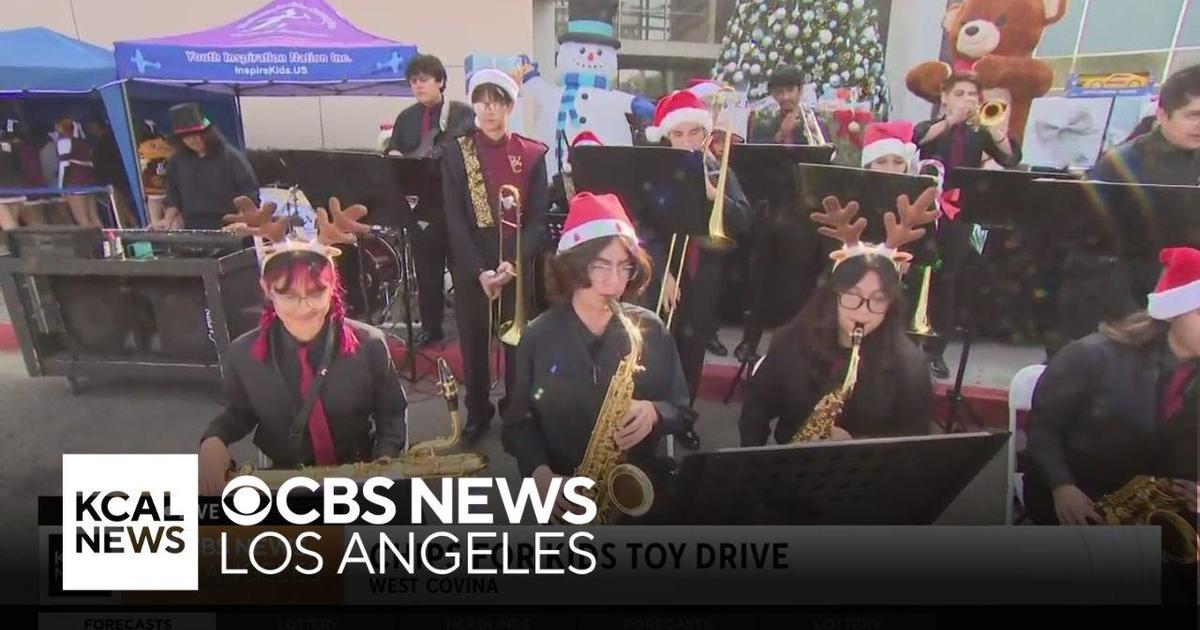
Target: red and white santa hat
[(594, 216), (704, 88), (586, 139), (888, 138), (677, 108), (1178, 289)]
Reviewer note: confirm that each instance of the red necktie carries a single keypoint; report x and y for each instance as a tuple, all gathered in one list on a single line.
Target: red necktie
[(426, 115), (958, 149), (318, 424), (1172, 399), (693, 258)]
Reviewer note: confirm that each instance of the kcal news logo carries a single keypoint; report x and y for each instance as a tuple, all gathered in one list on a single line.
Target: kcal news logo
[(129, 523)]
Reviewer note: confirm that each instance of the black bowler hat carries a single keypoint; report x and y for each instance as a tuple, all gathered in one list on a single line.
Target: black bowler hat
[(186, 118)]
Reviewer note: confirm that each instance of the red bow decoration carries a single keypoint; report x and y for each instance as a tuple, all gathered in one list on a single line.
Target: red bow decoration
[(844, 117), (948, 202)]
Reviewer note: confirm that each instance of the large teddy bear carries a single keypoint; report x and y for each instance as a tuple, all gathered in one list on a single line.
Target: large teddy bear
[(995, 39)]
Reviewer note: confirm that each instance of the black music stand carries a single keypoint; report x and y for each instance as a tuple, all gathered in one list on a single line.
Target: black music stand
[(875, 192), (1004, 200), (997, 198), (767, 176), (882, 481), (765, 170), (1130, 221), (661, 188), (375, 181)]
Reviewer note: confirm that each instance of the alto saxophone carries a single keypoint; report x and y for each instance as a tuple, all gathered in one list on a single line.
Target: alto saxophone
[(617, 484), (420, 460), (1148, 500), (819, 425)]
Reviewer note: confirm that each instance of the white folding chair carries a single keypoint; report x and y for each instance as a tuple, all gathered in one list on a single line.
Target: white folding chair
[(1020, 398)]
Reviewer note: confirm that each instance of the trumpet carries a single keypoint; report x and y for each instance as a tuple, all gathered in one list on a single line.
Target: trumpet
[(990, 114), (510, 331), (717, 239)]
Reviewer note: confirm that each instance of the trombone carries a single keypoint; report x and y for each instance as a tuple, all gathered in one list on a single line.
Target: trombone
[(717, 239), (919, 326), (510, 331)]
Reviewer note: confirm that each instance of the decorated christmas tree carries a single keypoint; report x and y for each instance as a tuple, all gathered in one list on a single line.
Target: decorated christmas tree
[(836, 43)]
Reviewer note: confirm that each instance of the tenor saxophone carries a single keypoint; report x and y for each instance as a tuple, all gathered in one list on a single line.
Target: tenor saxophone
[(1146, 500), (618, 484), (420, 460), (819, 425)]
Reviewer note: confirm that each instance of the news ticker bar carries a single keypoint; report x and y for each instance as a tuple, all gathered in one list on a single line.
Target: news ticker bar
[(659, 565), (556, 620)]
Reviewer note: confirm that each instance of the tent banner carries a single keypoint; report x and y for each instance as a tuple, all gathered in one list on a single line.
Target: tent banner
[(247, 64)]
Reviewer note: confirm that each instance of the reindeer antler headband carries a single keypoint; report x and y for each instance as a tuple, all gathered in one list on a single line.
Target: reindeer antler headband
[(334, 226), (839, 222)]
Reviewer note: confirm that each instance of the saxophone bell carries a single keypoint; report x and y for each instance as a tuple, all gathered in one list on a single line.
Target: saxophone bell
[(630, 490)]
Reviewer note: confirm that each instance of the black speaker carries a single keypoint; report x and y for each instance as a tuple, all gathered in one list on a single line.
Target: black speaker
[(56, 241)]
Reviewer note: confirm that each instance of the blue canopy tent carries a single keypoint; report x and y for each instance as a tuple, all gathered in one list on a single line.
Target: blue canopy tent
[(38, 61), (286, 48)]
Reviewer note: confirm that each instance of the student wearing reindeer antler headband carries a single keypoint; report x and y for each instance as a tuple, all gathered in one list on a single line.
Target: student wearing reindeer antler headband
[(315, 387), (809, 355)]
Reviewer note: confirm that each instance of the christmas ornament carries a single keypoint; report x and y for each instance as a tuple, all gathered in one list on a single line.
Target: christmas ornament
[(755, 70), (825, 36), (792, 31)]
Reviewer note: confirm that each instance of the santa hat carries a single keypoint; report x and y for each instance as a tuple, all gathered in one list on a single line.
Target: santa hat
[(594, 216), (1178, 289), (494, 77), (585, 138), (704, 88), (890, 138), (677, 108)]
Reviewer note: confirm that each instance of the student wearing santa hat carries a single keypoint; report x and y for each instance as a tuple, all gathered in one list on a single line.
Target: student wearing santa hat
[(1119, 403), (887, 147), (475, 166), (682, 121), (568, 355)]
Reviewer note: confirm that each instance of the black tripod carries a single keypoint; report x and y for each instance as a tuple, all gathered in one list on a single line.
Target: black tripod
[(403, 262), (955, 396)]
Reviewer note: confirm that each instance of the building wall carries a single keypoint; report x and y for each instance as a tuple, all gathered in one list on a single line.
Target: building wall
[(450, 29), (914, 36)]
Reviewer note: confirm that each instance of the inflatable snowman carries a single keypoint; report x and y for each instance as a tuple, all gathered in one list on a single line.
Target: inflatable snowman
[(581, 100)]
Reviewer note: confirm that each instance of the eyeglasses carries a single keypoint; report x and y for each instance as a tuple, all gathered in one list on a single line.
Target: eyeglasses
[(624, 271), (490, 104), (315, 299), (852, 302)]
